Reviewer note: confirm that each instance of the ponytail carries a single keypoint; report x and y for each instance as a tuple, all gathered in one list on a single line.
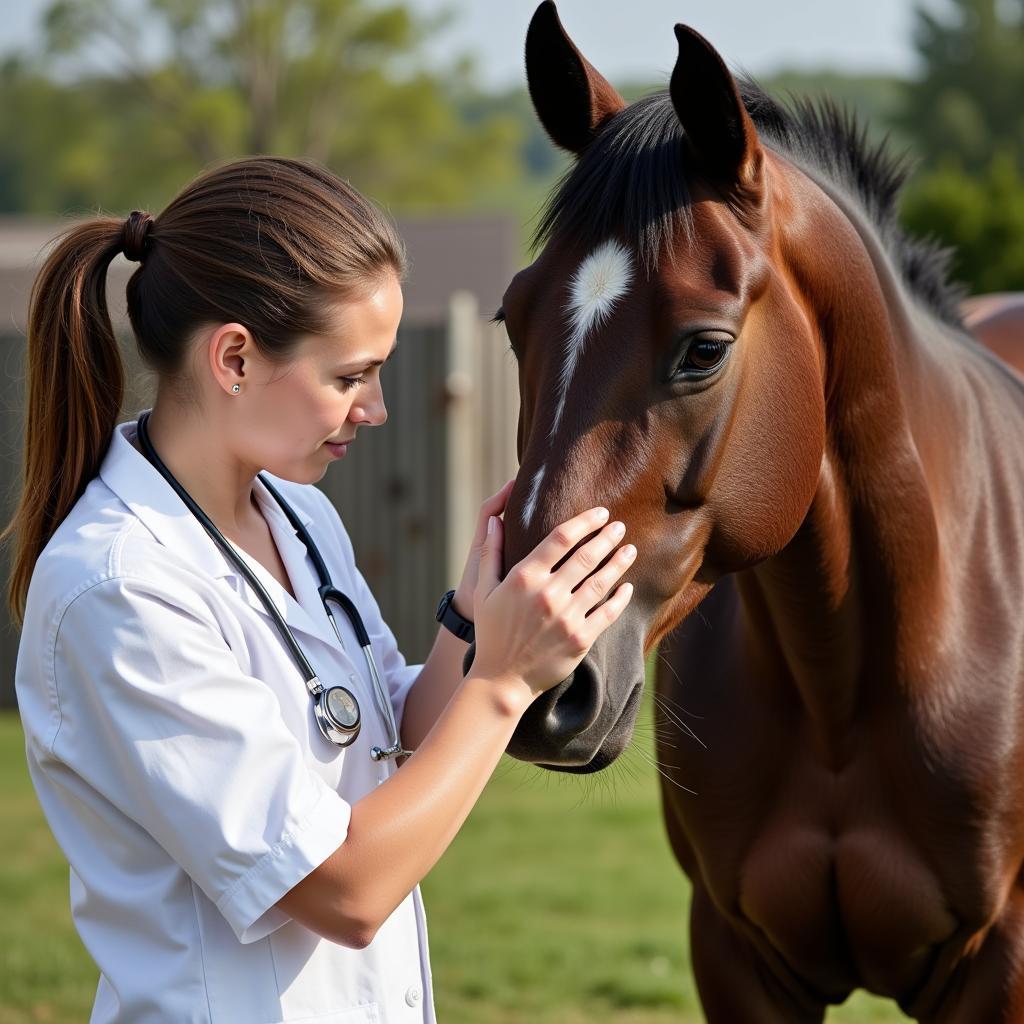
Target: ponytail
[(269, 239), (75, 385)]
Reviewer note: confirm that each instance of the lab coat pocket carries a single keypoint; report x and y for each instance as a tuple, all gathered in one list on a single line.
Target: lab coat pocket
[(366, 1013), (289, 977), (322, 981)]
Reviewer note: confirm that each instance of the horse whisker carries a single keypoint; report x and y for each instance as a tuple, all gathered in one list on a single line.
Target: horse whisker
[(673, 717), (672, 669), (666, 776)]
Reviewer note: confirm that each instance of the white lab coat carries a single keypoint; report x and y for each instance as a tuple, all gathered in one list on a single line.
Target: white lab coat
[(172, 745)]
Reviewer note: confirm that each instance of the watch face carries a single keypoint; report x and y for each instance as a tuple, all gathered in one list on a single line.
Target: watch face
[(342, 707)]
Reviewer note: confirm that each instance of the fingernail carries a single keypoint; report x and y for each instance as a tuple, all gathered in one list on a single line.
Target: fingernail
[(490, 525), (628, 587), (628, 551), (600, 513), (617, 529)]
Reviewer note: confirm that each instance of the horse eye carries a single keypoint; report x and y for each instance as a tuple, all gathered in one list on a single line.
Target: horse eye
[(703, 356)]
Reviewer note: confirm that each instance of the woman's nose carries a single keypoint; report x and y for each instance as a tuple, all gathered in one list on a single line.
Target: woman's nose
[(372, 412)]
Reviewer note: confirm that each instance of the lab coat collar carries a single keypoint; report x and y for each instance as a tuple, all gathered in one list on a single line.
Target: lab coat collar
[(139, 484)]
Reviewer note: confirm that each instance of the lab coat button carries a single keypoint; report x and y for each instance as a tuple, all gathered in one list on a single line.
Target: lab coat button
[(413, 995)]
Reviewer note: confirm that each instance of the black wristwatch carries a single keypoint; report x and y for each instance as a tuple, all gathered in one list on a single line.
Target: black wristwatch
[(451, 619)]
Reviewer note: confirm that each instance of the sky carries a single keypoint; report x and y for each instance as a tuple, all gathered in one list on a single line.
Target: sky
[(633, 40)]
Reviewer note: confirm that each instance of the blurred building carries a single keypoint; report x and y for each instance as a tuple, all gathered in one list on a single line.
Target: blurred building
[(408, 492)]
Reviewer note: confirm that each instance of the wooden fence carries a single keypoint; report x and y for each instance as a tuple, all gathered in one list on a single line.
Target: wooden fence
[(408, 492)]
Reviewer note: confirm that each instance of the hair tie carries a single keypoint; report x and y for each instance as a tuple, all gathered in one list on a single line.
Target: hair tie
[(135, 235)]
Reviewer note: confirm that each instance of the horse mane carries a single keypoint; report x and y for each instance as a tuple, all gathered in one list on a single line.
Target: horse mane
[(631, 182)]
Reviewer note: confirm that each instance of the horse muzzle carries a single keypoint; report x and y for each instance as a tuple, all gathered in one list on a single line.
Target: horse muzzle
[(584, 722)]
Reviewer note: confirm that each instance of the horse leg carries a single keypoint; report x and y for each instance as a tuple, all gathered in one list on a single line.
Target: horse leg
[(734, 984), (988, 986)]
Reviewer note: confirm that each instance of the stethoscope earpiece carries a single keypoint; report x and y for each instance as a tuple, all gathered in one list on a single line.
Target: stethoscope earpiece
[(335, 708)]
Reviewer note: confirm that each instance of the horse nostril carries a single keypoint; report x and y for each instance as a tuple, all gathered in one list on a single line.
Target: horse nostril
[(577, 706)]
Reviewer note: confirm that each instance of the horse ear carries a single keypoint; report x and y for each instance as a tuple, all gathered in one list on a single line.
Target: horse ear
[(712, 113), (571, 98)]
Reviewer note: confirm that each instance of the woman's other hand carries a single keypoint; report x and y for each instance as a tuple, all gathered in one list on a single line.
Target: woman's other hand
[(493, 506), (534, 626)]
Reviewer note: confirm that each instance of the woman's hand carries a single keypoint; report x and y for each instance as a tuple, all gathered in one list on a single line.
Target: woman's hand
[(493, 506), (535, 626)]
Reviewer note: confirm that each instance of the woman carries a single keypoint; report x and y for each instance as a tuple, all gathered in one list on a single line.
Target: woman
[(238, 854)]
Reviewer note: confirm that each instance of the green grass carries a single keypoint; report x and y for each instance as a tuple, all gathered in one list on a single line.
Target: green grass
[(559, 901)]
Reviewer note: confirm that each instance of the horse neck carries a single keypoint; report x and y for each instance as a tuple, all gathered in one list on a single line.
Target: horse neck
[(853, 600)]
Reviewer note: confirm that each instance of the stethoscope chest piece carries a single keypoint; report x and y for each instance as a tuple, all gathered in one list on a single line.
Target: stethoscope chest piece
[(337, 713), (335, 708)]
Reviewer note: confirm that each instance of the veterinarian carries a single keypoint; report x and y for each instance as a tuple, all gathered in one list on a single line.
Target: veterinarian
[(246, 778)]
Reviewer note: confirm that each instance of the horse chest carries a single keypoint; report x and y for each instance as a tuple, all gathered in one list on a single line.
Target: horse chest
[(859, 908), (854, 877)]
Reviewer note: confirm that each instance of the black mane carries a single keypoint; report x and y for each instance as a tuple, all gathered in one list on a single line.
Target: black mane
[(631, 182)]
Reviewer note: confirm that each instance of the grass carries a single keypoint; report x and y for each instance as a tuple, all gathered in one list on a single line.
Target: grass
[(559, 901)]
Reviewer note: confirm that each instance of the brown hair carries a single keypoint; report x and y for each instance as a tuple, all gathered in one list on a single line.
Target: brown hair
[(264, 241)]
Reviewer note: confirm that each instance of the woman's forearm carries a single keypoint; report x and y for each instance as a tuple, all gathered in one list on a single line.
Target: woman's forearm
[(534, 627), (399, 831), (440, 677)]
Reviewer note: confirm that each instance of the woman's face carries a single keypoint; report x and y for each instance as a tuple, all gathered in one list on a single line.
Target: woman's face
[(325, 393)]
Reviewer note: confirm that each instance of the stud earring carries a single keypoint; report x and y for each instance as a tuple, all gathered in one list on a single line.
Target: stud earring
[(235, 388)]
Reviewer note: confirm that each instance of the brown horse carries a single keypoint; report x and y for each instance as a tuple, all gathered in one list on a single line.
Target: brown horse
[(998, 322), (728, 340)]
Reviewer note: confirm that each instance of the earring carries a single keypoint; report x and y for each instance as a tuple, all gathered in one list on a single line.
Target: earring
[(235, 388)]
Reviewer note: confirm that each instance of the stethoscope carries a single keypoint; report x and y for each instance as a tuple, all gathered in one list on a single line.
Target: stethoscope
[(335, 708)]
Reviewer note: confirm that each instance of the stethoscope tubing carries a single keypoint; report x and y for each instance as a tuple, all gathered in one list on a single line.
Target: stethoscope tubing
[(327, 591)]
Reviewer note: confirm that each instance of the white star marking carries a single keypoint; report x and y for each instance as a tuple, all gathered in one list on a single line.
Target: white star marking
[(531, 502), (601, 280)]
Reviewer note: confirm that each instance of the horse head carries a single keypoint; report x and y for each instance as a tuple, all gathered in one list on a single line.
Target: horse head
[(662, 348)]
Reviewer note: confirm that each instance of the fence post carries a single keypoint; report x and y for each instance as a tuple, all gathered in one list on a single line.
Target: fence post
[(462, 432)]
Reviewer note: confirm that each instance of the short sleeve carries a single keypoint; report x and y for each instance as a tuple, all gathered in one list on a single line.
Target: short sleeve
[(158, 717), (399, 677)]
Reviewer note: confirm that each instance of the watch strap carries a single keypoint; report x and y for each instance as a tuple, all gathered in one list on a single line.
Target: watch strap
[(453, 621)]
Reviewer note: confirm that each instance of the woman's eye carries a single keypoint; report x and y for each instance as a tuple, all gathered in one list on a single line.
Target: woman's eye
[(348, 383), (703, 356)]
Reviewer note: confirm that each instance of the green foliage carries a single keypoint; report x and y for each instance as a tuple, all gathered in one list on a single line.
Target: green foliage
[(966, 117), (981, 214), (968, 101), (108, 124), (337, 81)]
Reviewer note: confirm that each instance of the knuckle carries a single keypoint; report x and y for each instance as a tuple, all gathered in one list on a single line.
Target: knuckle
[(598, 585), (567, 630), (562, 535), (519, 576), (579, 642), (547, 600), (585, 558)]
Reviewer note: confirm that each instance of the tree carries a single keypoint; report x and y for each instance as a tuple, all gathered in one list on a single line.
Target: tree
[(969, 100), (965, 116), (173, 86), (982, 215)]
